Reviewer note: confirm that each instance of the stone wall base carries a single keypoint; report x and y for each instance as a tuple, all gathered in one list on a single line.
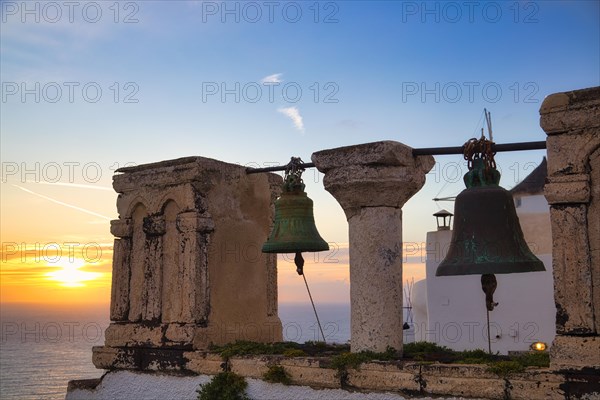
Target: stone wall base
[(190, 336), (401, 377), (575, 352)]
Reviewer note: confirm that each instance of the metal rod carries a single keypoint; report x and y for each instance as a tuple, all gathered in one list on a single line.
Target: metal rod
[(313, 305), (250, 170), (429, 151), (488, 330), (438, 151)]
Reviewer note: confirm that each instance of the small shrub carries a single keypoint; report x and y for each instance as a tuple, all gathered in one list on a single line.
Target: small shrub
[(534, 359), (427, 351), (474, 357), (342, 362), (277, 374), (244, 348), (505, 368), (294, 353), (224, 386), (320, 346)]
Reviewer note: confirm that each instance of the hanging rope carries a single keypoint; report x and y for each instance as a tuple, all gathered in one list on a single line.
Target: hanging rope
[(299, 261)]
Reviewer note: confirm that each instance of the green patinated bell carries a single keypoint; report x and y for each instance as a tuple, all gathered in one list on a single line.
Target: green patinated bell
[(294, 230), (487, 237)]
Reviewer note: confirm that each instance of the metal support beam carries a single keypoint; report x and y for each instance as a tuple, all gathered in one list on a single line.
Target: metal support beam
[(431, 151)]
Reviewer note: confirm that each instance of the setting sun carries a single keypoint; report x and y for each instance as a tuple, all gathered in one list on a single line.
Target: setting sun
[(70, 274)]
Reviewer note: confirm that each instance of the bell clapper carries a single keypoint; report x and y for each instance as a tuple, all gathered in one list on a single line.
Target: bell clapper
[(488, 285), (299, 261)]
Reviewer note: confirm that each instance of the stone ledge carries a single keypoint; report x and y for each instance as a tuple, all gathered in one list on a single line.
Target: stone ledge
[(568, 111), (404, 377), (83, 384), (386, 152), (568, 189)]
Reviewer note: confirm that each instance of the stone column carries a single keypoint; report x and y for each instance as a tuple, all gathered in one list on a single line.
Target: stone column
[(572, 122), (119, 297), (372, 182), (193, 231), (154, 227)]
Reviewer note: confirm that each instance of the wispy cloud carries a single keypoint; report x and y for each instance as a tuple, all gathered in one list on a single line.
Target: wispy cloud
[(74, 185), (294, 114), (63, 203), (275, 78)]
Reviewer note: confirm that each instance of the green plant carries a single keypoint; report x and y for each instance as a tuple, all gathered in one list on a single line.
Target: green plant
[(427, 351), (505, 368), (344, 361), (224, 386), (243, 348), (474, 357), (534, 359), (294, 353), (277, 374), (321, 346)]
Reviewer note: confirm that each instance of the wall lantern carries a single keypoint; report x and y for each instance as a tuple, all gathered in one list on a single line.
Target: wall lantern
[(444, 219), (538, 346)]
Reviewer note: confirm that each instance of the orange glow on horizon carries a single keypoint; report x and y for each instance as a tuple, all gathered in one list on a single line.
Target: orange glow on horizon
[(43, 277), (70, 274), (52, 274)]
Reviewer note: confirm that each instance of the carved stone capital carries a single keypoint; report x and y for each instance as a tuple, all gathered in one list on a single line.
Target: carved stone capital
[(192, 222), (380, 174), (121, 227), (155, 225)]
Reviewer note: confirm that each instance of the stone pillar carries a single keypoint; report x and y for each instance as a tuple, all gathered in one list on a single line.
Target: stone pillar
[(372, 182), (119, 298), (154, 228), (572, 122), (187, 267)]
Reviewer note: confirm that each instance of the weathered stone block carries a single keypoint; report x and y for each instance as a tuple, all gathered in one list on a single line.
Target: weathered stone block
[(104, 357), (382, 376), (572, 270), (309, 371), (119, 297), (192, 222), (568, 111), (253, 367), (568, 152), (204, 363), (574, 352), (180, 333), (134, 335), (121, 227), (570, 189)]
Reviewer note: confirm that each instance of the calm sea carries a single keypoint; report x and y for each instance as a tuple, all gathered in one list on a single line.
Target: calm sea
[(41, 349)]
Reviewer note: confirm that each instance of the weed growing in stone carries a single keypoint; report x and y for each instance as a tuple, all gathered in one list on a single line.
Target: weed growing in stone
[(224, 386), (277, 374)]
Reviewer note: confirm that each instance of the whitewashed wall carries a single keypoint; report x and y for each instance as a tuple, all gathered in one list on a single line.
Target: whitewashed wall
[(455, 313)]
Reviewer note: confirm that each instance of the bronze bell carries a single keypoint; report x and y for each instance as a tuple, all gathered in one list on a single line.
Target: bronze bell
[(487, 237), (294, 230)]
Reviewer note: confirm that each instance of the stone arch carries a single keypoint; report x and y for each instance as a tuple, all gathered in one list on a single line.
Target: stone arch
[(136, 279), (130, 205), (172, 304)]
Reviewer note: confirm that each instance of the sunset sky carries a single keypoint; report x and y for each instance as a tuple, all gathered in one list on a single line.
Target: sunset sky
[(94, 86)]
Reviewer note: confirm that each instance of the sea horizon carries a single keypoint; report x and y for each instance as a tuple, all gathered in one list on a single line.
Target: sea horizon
[(42, 346)]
